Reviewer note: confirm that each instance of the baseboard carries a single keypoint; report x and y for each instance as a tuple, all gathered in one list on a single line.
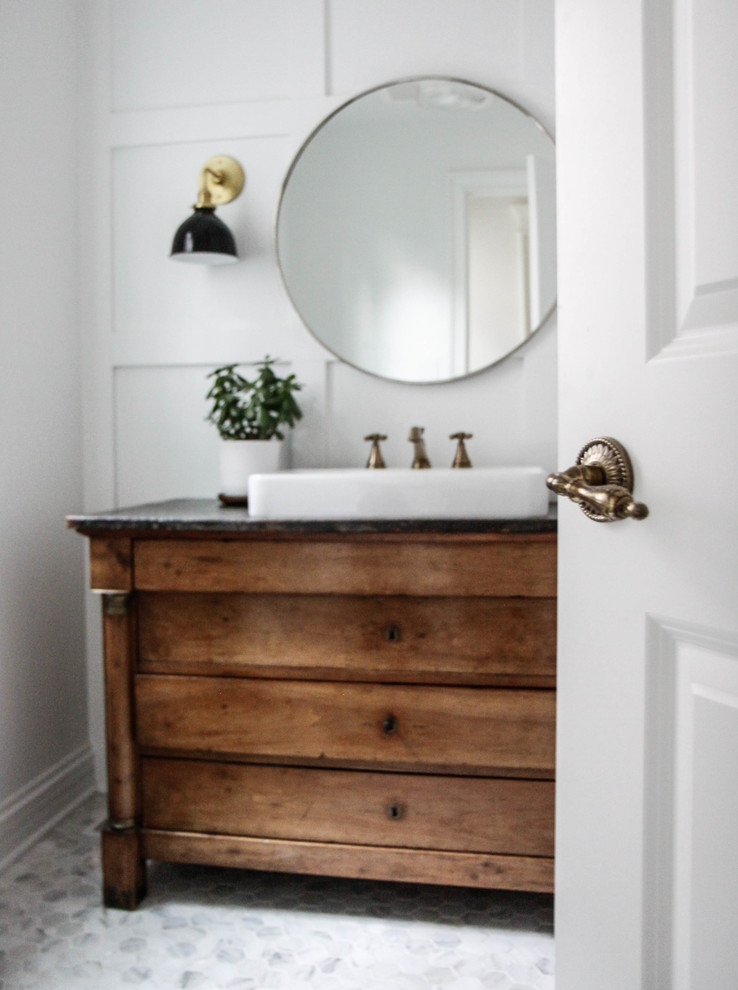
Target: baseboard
[(29, 813)]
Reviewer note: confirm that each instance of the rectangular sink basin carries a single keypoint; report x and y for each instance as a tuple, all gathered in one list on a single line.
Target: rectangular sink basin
[(400, 493)]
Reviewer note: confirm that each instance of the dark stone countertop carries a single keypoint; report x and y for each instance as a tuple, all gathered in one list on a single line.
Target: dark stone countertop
[(199, 515)]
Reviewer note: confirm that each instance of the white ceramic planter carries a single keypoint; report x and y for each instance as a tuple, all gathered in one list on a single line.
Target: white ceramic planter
[(241, 458)]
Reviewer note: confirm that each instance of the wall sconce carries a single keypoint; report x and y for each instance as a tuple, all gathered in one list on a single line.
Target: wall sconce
[(203, 238)]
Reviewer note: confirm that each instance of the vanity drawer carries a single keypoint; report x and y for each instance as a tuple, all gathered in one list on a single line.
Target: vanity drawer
[(423, 728), (396, 564), (381, 809), (470, 640)]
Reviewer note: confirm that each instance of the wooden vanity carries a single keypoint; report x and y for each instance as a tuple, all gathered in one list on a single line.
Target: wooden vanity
[(359, 699)]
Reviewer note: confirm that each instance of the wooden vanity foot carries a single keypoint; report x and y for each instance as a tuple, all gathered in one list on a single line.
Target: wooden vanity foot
[(123, 868)]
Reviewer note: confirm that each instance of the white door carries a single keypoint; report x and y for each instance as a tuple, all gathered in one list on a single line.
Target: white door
[(647, 146)]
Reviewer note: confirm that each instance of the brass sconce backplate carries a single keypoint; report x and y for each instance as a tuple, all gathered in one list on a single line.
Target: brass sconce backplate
[(221, 180)]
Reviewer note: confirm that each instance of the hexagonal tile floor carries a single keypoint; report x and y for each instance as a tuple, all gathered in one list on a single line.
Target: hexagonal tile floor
[(202, 927)]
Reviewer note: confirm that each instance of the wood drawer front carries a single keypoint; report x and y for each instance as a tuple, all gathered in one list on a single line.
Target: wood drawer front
[(472, 730), (498, 566), (464, 640), (446, 813)]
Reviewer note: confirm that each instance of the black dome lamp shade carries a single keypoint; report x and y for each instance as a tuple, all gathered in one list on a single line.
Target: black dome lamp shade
[(203, 238)]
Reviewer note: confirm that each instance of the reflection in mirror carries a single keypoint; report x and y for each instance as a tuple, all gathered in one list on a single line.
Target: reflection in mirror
[(416, 230)]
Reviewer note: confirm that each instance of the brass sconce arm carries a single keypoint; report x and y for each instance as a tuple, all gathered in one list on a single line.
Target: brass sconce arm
[(204, 196)]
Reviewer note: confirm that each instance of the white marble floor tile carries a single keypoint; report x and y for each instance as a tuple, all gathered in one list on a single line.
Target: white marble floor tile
[(203, 928)]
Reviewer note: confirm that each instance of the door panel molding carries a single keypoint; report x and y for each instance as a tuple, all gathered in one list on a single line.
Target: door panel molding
[(692, 264), (690, 854)]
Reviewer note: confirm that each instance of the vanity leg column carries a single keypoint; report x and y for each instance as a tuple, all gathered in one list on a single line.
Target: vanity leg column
[(123, 865)]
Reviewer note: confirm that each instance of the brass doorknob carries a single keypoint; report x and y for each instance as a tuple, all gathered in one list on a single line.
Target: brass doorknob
[(601, 482)]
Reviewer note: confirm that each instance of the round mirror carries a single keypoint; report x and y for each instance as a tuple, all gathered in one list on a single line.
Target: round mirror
[(416, 230)]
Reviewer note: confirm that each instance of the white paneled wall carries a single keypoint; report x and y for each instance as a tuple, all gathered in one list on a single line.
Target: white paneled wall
[(176, 81), (376, 41), (251, 78)]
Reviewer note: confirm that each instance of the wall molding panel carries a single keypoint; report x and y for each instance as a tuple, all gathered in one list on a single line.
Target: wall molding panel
[(186, 57), (231, 121), (183, 320)]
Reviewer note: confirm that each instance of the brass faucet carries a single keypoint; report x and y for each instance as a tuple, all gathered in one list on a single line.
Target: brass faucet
[(461, 458), (375, 454), (420, 458)]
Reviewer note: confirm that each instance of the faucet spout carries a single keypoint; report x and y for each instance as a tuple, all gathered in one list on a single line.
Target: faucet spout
[(420, 458)]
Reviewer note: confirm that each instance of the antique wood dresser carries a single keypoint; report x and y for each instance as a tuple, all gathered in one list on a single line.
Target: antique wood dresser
[(360, 699)]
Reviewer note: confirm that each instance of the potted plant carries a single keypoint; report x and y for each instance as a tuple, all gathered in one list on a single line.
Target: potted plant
[(249, 417)]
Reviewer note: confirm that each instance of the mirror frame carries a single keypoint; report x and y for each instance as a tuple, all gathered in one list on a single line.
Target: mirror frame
[(295, 162)]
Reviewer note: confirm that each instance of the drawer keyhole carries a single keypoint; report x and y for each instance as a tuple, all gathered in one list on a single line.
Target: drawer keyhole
[(392, 633), (394, 811), (389, 725)]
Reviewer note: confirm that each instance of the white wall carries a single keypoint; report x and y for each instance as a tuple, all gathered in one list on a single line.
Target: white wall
[(176, 81), (45, 759)]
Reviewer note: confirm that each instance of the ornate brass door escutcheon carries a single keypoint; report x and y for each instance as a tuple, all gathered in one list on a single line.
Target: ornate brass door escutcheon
[(601, 482)]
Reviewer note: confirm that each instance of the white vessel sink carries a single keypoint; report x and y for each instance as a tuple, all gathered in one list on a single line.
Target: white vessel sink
[(400, 493)]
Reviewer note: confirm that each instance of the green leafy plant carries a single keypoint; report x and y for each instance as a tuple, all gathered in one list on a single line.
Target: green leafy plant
[(252, 410)]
